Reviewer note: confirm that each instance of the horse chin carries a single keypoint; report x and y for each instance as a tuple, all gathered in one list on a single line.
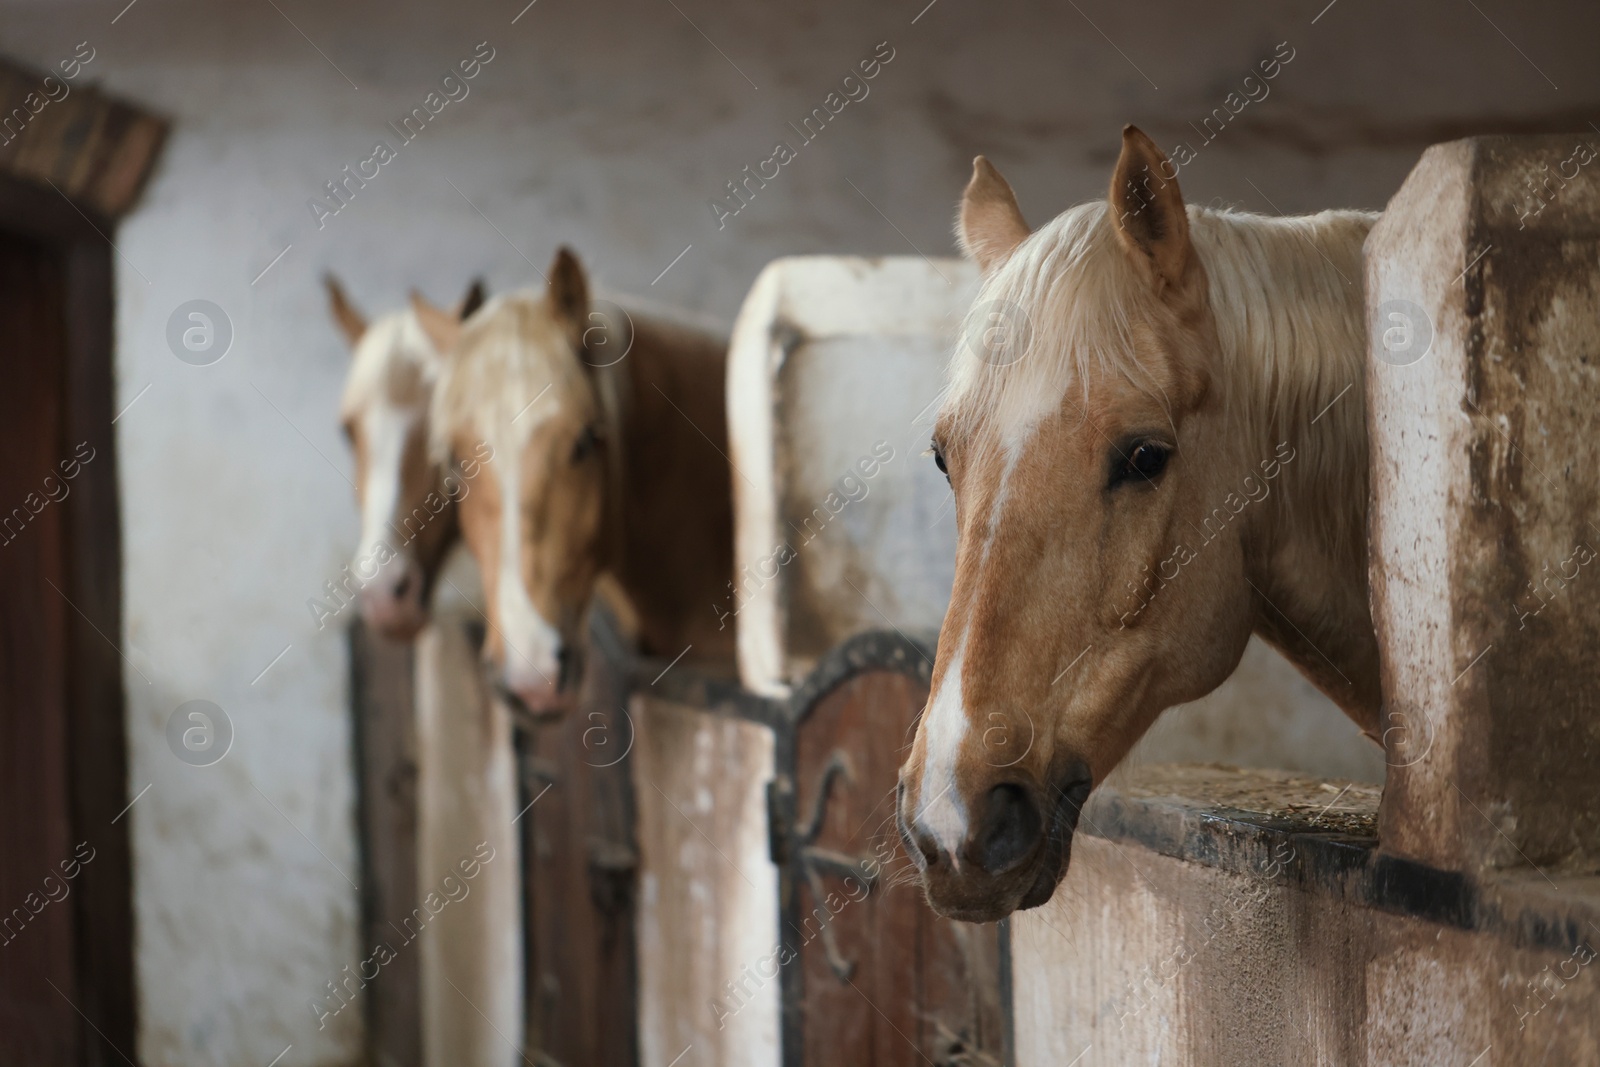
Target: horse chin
[(540, 713), (993, 902), (394, 623), (546, 705)]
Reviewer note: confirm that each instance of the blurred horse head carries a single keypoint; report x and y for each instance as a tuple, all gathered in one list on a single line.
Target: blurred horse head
[(408, 515), (605, 437)]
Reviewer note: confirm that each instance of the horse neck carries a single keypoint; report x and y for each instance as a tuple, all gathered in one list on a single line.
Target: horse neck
[(1300, 386), (671, 511)]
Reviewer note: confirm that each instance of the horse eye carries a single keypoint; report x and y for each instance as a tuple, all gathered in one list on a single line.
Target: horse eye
[(1144, 463), (938, 461), (584, 446)]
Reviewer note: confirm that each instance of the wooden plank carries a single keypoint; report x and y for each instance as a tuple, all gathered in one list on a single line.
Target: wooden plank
[(383, 693), (470, 956), (580, 863), (92, 147), (708, 890)]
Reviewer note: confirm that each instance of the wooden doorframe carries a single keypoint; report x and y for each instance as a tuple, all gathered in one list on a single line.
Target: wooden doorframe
[(96, 773), (80, 163)]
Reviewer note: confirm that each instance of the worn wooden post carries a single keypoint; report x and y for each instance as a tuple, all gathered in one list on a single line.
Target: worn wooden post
[(1483, 295), (383, 695)]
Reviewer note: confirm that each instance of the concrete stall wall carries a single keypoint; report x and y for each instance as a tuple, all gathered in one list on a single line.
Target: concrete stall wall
[(707, 918), (469, 880), (616, 128), (1143, 958)]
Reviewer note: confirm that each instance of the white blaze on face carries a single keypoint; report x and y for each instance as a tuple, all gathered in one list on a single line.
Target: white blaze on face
[(387, 395), (941, 810), (385, 428), (530, 642)]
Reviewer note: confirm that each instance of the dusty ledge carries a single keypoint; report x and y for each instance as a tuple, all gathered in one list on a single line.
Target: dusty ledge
[(1320, 837)]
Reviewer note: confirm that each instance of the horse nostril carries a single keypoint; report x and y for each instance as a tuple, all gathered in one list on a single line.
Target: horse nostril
[(402, 586), (1010, 828)]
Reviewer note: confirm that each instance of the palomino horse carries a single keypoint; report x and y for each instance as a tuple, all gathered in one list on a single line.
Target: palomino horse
[(408, 518), (608, 437), (1155, 436)]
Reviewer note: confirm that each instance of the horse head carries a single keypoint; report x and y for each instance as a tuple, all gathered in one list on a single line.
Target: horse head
[(536, 516), (1119, 434), (408, 519)]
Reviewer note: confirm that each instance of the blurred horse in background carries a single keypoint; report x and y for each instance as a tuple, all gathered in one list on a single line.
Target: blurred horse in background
[(607, 438), (408, 511)]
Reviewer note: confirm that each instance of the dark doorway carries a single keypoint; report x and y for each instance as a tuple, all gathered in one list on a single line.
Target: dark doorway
[(66, 966)]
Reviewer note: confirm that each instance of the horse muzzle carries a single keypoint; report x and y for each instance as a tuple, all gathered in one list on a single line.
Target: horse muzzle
[(1016, 851), (541, 696), (394, 601)]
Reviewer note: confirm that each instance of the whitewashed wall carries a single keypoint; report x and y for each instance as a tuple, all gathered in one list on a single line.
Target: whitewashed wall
[(611, 126)]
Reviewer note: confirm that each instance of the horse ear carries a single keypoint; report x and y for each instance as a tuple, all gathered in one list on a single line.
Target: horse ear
[(991, 225), (476, 295), (350, 321), (442, 327), (1148, 208), (569, 290)]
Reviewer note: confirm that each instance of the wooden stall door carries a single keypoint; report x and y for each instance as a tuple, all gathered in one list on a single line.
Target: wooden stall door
[(580, 866), (886, 981)]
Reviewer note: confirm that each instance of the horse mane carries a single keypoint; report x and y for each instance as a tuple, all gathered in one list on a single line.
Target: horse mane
[(1286, 297), (394, 360)]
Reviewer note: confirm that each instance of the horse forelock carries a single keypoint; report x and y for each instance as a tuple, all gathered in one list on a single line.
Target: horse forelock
[(394, 363), (1280, 294), (1051, 318), (514, 367)]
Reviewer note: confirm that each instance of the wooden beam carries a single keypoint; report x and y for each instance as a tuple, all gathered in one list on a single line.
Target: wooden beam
[(94, 148)]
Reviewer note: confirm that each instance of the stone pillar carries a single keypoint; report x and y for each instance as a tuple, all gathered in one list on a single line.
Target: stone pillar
[(1483, 388)]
